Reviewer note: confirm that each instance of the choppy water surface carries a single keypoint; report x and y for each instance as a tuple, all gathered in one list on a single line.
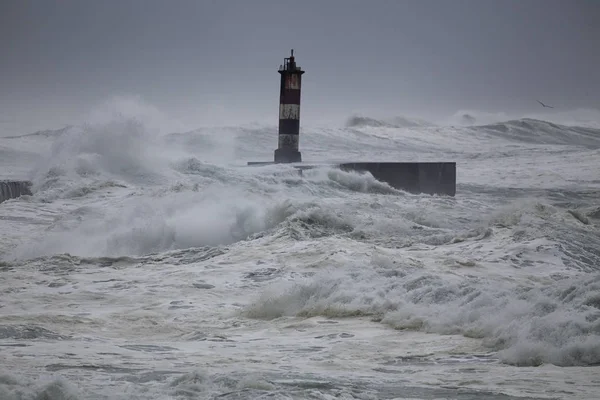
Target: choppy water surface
[(150, 266)]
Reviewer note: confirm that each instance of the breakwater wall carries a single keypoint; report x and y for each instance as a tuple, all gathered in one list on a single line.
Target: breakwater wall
[(14, 189)]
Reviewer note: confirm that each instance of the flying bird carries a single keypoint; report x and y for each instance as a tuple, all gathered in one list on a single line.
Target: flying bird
[(543, 105)]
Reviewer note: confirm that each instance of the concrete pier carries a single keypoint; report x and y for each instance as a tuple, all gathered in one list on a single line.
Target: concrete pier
[(14, 189), (414, 177)]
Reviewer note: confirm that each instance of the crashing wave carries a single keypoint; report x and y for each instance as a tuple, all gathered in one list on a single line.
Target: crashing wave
[(535, 131), (396, 122), (364, 122), (48, 133)]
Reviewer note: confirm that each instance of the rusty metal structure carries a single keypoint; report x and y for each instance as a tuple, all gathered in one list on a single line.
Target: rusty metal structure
[(289, 112)]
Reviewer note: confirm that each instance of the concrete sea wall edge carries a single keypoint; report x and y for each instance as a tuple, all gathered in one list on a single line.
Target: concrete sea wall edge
[(14, 189)]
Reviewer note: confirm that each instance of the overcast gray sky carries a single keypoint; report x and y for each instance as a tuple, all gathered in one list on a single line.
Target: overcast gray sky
[(215, 60)]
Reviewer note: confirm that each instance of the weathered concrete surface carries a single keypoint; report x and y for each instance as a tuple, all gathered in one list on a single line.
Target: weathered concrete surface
[(14, 189), (413, 177)]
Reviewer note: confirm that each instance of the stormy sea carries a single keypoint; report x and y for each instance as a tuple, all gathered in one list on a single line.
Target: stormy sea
[(152, 263)]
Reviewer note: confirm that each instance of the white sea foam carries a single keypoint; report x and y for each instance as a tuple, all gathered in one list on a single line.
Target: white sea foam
[(185, 270), (17, 388), (529, 324)]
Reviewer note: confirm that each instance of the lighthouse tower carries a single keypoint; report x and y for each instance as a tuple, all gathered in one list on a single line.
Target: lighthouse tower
[(289, 112)]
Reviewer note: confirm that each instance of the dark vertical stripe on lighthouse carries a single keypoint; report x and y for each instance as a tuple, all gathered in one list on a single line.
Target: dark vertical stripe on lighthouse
[(290, 96), (289, 127)]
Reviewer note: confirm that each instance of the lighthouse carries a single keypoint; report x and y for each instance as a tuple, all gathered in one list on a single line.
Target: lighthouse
[(412, 176), (289, 112)]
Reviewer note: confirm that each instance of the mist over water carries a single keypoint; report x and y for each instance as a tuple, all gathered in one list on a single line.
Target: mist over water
[(149, 256)]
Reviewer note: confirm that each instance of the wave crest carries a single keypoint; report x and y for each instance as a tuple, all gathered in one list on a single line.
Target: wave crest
[(541, 132), (528, 325)]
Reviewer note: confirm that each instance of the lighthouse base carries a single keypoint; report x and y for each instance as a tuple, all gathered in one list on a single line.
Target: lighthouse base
[(287, 156)]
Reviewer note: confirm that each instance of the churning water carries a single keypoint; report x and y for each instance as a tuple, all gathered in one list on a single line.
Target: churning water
[(155, 265)]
